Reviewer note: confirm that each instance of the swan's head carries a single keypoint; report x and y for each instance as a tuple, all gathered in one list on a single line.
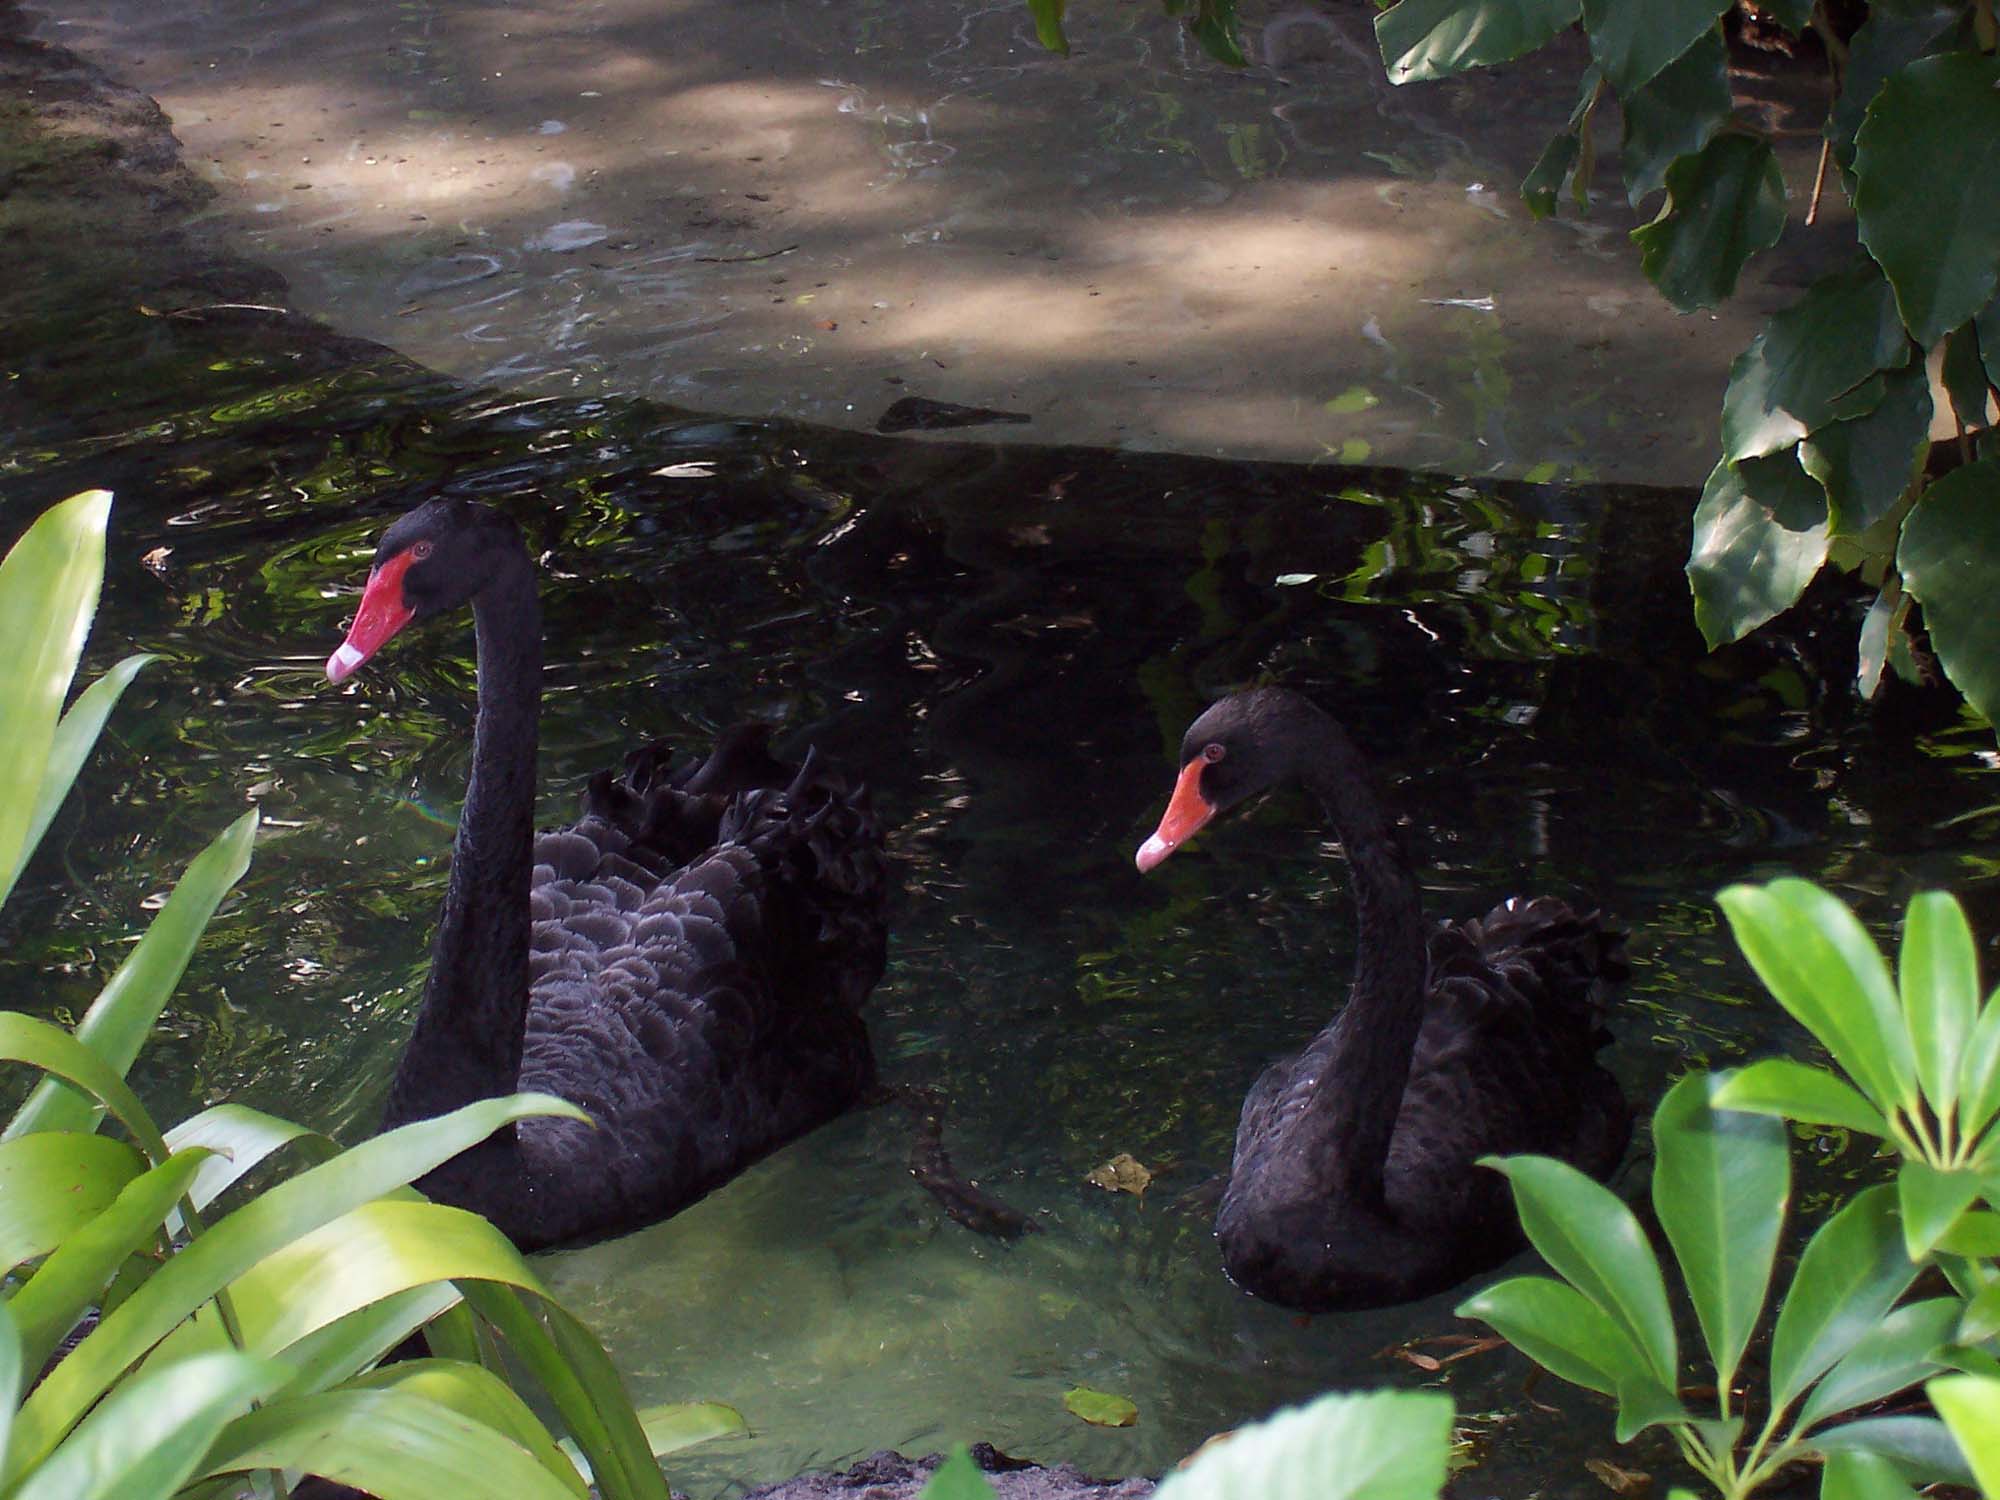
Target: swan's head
[(431, 561), (1243, 745)]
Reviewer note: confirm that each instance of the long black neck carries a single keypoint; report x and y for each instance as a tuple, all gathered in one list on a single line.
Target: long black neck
[(467, 1042), (1365, 1053)]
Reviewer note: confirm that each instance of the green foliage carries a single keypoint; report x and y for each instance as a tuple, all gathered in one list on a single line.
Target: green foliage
[(1384, 1445), (1921, 1054), (1837, 382), (249, 1345)]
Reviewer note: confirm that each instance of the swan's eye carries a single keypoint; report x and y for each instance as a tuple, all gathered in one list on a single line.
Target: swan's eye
[(421, 551), (1213, 753)]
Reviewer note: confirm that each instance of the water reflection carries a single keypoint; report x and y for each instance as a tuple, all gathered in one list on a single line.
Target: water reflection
[(1010, 640)]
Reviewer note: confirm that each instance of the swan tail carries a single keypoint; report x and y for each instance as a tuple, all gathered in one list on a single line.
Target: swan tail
[(1538, 963)]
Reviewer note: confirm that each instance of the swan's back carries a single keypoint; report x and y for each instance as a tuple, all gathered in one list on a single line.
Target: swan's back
[(1506, 1062), (703, 940)]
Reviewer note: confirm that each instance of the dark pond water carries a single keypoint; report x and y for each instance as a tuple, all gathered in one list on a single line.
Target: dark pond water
[(1010, 641)]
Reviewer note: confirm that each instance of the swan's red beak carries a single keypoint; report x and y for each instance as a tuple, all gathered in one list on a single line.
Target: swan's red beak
[(381, 615), (1186, 811)]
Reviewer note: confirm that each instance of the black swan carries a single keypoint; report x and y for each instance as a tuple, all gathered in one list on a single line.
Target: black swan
[(687, 962), (1353, 1182)]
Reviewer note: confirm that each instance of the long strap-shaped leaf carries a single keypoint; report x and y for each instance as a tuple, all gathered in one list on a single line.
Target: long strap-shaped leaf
[(76, 1272), (122, 1016), (75, 735), (393, 1444), (150, 1434), (579, 1377), (233, 1245), (48, 593), (31, 1040)]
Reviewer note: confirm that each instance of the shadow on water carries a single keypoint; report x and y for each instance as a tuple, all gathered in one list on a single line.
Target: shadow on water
[(1009, 640)]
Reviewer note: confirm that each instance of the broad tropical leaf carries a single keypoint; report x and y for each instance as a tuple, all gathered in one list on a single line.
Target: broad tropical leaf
[(1386, 1445), (1721, 1181), (1950, 561), (1724, 204), (1849, 1276), (1429, 39)]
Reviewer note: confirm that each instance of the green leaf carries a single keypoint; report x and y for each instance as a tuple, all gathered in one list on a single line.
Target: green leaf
[(390, 1443), (1920, 1447), (122, 1016), (1936, 122), (1721, 1181), (1634, 40), (1552, 169), (1760, 534), (149, 1435), (1891, 37), (1970, 1406), (242, 1139), (1862, 1476), (1987, 326), (375, 1250), (31, 1040), (48, 593), (1950, 561), (1560, 1329), (957, 1478), (1797, 1091), (1820, 964), (230, 1247), (1099, 1408), (1938, 973), (1867, 463), (1724, 204), (1385, 1445), (481, 1395), (1975, 1234), (1214, 28), (1850, 1274), (1963, 375), (349, 1345), (1979, 1072), (678, 1425), (1675, 115), (1430, 39), (1593, 1242), (581, 1382), (1787, 383), (75, 734), (1892, 1356), (1884, 618), (13, 1370), (1980, 1320), (1048, 16), (78, 1270), (55, 1182)]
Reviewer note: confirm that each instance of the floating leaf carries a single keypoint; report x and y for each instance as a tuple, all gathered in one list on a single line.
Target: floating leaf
[(1098, 1408), (1122, 1174)]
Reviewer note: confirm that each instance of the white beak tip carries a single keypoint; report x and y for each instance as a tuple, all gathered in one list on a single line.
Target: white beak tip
[(343, 663), (1151, 853)]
